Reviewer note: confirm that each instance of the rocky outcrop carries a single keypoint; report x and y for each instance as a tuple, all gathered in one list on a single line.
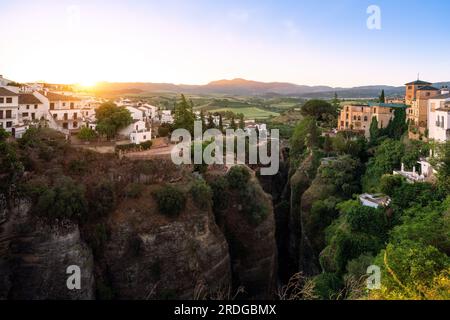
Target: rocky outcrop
[(35, 256), (300, 253), (149, 256), (252, 245)]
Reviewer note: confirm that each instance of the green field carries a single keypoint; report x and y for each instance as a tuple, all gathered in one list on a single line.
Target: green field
[(249, 112)]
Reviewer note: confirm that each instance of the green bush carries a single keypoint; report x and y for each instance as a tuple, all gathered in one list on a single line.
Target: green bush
[(171, 201), (146, 145), (219, 188), (87, 134), (253, 206), (202, 194), (327, 285), (65, 200), (238, 177)]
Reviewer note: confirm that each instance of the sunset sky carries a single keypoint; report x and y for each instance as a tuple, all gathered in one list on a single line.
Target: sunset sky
[(305, 42)]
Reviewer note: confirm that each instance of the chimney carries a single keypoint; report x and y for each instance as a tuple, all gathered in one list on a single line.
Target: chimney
[(445, 90)]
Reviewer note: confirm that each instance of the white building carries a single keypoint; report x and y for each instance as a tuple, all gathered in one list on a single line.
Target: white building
[(137, 132), (65, 112), (31, 108), (374, 200), (4, 82), (9, 106), (136, 113), (166, 117), (439, 116)]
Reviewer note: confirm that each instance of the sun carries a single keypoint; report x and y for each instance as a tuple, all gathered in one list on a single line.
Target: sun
[(88, 83)]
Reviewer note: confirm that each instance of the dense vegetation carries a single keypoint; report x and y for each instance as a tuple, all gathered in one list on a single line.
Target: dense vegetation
[(409, 240)]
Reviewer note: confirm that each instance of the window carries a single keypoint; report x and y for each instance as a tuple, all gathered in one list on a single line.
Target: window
[(8, 100), (8, 114), (145, 137), (72, 105), (2, 100), (65, 125), (346, 116), (55, 116), (365, 118), (442, 122), (75, 124), (9, 124), (1, 114), (33, 116), (66, 116), (63, 104), (342, 123), (409, 87), (25, 114), (354, 118), (374, 110), (35, 106), (52, 106), (28, 107), (75, 115)]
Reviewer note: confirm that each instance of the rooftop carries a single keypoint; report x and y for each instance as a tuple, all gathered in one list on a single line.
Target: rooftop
[(418, 82), (28, 98), (427, 88), (6, 93), (59, 97)]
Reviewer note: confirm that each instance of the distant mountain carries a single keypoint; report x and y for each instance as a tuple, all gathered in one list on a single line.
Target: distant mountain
[(255, 88)]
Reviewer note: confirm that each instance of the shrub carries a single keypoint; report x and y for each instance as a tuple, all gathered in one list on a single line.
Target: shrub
[(102, 199), (163, 131), (134, 190), (327, 285), (171, 201), (219, 188), (238, 177), (65, 200), (146, 145), (87, 134), (253, 206), (202, 194)]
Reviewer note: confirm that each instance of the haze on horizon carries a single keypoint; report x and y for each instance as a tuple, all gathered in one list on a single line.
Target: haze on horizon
[(198, 41)]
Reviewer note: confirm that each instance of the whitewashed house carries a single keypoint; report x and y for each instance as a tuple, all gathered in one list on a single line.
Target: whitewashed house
[(31, 108), (65, 112), (9, 106), (439, 116), (166, 116), (137, 132), (374, 200)]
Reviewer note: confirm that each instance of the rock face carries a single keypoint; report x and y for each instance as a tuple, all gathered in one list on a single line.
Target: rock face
[(301, 254), (252, 247), (34, 258), (182, 258)]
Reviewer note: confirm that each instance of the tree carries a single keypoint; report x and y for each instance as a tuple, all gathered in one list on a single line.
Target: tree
[(305, 127), (211, 124), (382, 99), (374, 130), (184, 115), (202, 119), (241, 124), (396, 126), (321, 110), (443, 165), (111, 118), (87, 134), (336, 103), (233, 124)]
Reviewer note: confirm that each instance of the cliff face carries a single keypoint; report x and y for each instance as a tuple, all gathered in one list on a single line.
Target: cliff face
[(34, 258), (184, 258), (252, 245), (301, 255)]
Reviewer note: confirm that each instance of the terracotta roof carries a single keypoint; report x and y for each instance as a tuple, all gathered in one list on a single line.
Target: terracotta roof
[(28, 98), (6, 93), (59, 97)]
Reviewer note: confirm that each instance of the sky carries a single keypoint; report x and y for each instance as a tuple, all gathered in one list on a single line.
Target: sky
[(325, 42)]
